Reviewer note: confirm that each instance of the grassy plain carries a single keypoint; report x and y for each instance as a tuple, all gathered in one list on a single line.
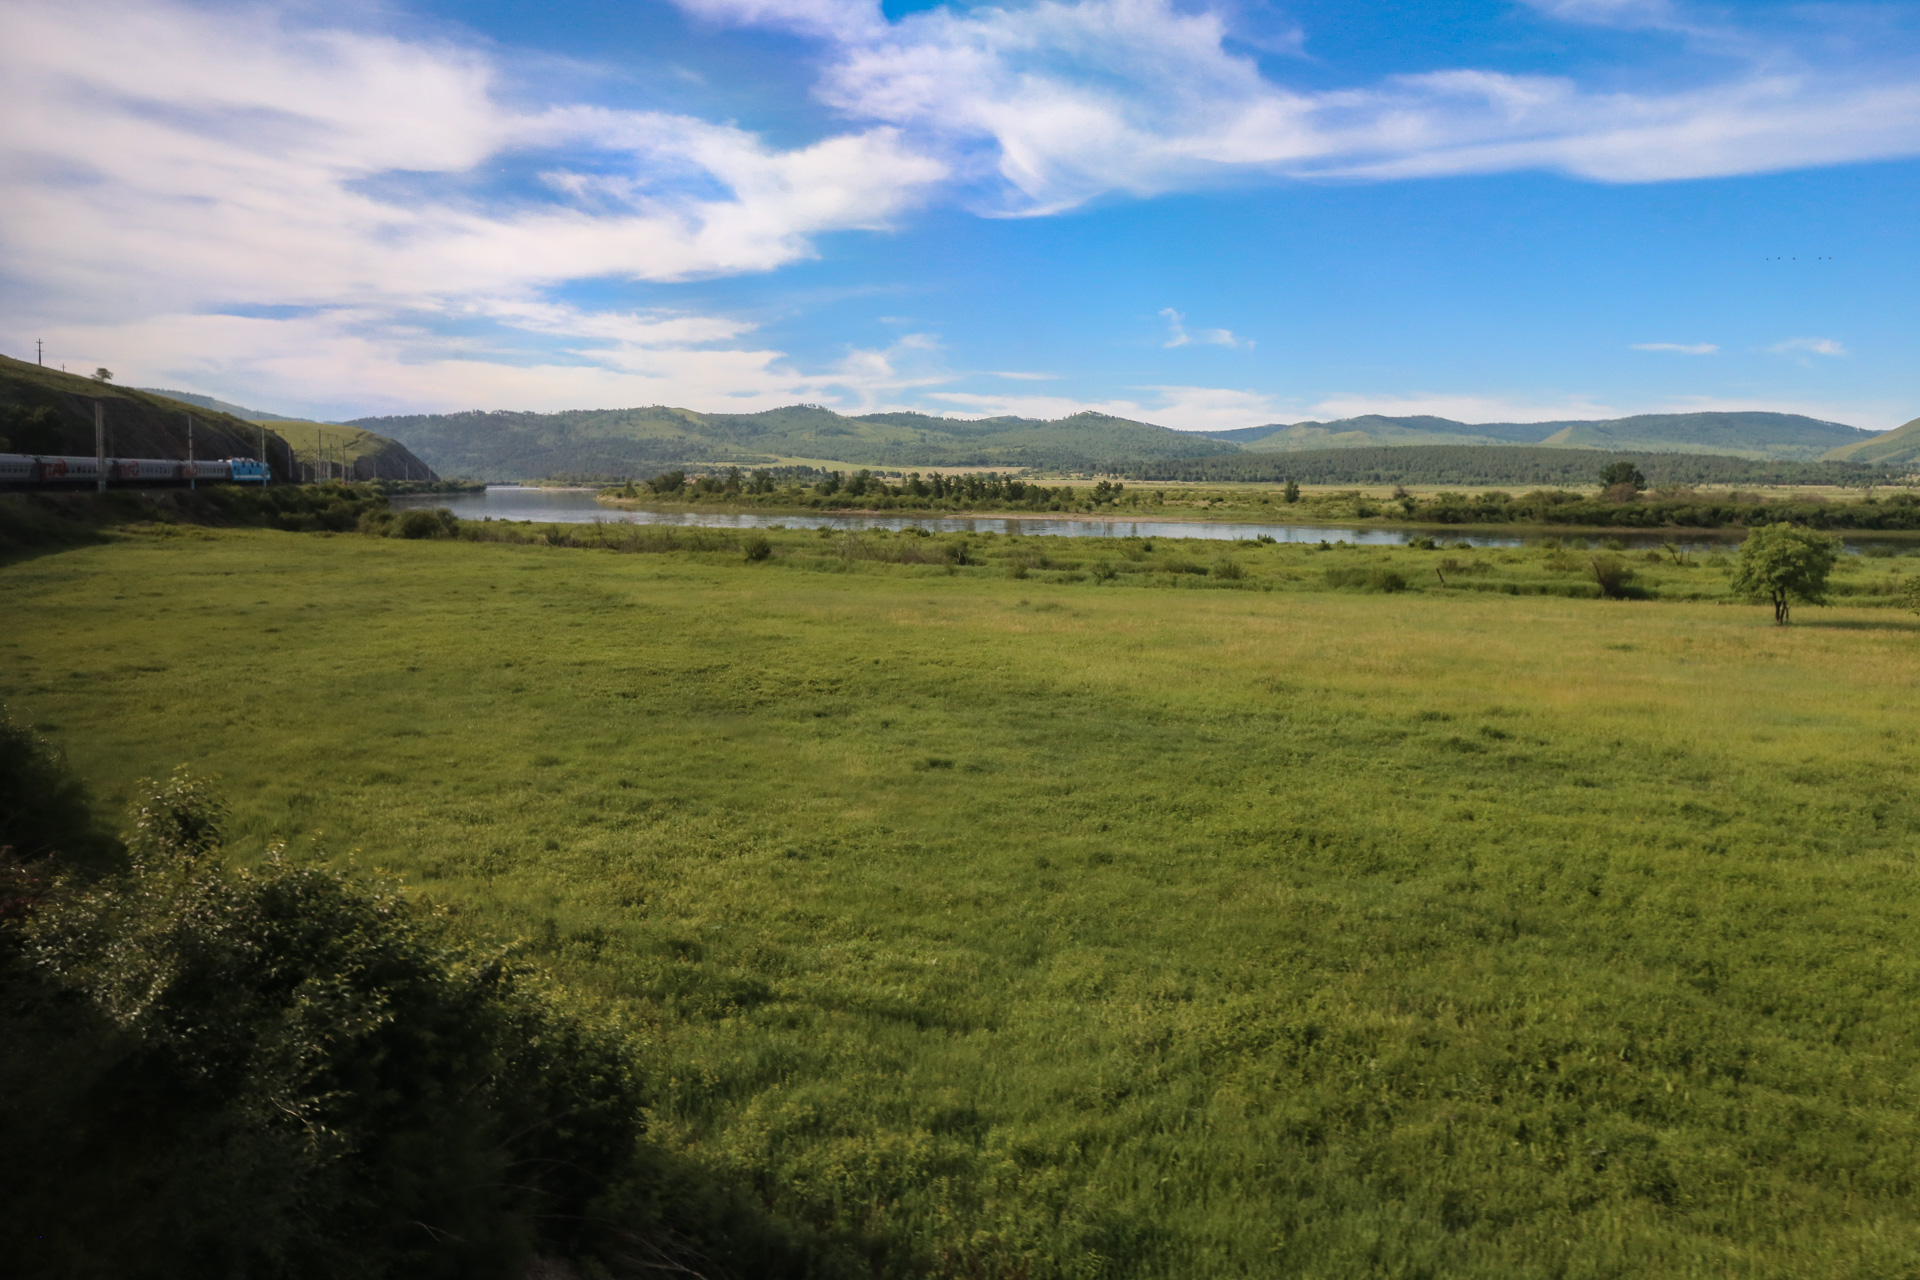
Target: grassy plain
[(1067, 927)]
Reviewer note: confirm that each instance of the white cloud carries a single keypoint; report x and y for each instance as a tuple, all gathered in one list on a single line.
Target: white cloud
[(1064, 102), (1178, 336), (1809, 346), (1678, 348), (165, 161), (385, 364)]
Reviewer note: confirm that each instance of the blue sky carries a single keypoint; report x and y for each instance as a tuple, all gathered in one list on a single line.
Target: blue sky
[(1204, 215)]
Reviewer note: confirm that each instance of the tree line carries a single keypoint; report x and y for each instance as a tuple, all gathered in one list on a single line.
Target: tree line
[(865, 488), (1493, 464)]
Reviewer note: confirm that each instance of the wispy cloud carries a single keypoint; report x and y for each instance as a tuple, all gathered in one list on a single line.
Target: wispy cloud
[(1060, 103), (1178, 336), (1678, 348), (1809, 346), (169, 166)]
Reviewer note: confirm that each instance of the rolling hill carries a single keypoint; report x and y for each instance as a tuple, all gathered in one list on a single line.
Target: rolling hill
[(1898, 447), (1781, 436), (507, 445)]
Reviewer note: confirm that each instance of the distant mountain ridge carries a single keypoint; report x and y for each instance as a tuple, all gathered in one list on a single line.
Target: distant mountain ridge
[(509, 445), (1748, 434), (512, 445)]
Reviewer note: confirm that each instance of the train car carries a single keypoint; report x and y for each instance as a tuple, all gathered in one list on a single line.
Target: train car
[(36, 471)]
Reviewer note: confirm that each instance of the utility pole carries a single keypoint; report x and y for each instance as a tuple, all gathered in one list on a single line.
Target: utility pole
[(40, 353), (267, 477), (192, 481), (100, 446)]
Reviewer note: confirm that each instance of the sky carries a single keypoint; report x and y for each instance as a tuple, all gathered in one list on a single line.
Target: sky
[(1205, 215)]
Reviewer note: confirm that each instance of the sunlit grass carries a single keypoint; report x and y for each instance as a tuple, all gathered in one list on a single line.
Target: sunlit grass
[(1081, 926)]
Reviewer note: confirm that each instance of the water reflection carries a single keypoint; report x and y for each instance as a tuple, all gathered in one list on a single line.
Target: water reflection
[(578, 506)]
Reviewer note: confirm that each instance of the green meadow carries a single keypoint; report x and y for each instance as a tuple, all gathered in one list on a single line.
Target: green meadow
[(1184, 910)]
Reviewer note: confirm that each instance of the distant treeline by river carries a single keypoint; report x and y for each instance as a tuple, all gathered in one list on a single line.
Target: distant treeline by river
[(1495, 464)]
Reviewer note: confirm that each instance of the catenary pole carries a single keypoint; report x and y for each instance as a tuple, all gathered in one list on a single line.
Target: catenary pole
[(191, 483), (100, 446)]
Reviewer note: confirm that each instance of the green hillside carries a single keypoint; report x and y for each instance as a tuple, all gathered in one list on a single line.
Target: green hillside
[(1748, 435), (329, 452), (1900, 446), (224, 406), (507, 445), (1786, 436), (48, 411)]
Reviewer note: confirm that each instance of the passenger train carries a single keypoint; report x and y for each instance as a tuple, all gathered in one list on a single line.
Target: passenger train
[(33, 471)]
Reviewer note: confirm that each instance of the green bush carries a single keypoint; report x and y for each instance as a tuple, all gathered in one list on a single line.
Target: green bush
[(756, 548), (1611, 574), (43, 809), (1366, 579), (281, 1072), (437, 523)]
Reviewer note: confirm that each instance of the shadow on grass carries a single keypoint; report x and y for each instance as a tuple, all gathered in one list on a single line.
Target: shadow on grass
[(1862, 624)]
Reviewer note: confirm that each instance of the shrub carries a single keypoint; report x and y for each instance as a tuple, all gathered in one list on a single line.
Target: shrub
[(43, 810), (1611, 575), (1229, 569), (437, 523), (1374, 579), (286, 1072), (756, 548)]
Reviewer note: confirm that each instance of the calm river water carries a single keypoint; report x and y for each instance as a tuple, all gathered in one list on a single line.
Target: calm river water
[(577, 506)]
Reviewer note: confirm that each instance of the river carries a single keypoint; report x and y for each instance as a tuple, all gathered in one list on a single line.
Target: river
[(578, 506)]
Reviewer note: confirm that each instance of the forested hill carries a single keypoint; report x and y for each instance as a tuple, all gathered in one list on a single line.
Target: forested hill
[(508, 445), (1753, 434)]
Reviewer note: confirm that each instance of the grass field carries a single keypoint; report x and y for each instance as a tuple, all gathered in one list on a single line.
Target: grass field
[(1065, 927)]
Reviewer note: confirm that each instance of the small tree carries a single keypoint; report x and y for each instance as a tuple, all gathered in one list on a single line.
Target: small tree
[(1784, 564), (1289, 494), (1622, 473), (103, 374)]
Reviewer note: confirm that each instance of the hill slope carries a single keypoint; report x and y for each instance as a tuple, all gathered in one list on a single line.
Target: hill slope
[(46, 411), (505, 445), (1900, 446), (1754, 434), (224, 406), (354, 451)]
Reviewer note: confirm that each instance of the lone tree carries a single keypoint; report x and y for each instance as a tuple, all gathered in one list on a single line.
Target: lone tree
[(1783, 563), (1615, 473), (103, 374)]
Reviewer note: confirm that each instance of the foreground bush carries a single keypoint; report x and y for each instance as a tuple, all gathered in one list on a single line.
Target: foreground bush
[(281, 1071)]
